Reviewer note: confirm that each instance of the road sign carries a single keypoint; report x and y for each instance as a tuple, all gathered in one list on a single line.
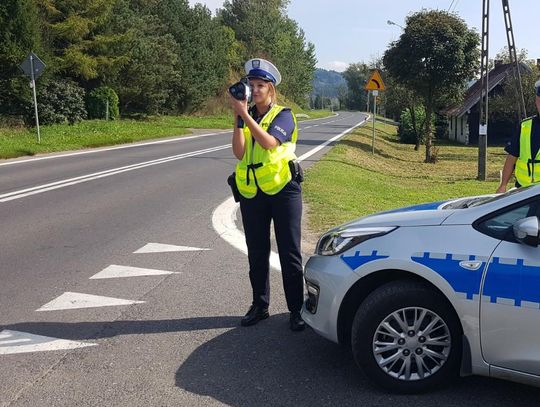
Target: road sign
[(32, 66), (32, 63), (375, 81)]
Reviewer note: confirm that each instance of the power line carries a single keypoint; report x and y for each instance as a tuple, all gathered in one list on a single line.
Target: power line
[(450, 6)]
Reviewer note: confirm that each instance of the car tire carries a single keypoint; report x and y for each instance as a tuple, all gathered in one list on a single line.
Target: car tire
[(407, 362)]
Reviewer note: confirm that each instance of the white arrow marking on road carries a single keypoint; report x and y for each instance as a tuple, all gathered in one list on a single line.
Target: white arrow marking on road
[(21, 342), (115, 271), (160, 248), (70, 300)]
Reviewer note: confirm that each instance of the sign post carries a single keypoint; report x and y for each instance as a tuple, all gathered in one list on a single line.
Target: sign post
[(33, 67), (374, 84)]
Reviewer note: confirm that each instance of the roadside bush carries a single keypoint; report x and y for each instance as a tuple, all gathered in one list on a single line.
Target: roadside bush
[(60, 101), (96, 103), (406, 131)]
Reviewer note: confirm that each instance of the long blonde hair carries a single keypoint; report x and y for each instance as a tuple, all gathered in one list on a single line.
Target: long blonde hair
[(273, 93)]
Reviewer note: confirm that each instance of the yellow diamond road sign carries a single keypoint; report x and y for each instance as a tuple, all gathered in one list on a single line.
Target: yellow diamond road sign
[(375, 81)]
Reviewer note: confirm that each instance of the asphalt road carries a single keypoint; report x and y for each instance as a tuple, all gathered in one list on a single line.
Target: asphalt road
[(66, 218)]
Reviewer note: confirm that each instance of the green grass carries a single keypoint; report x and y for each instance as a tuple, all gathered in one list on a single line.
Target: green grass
[(350, 181), (16, 142)]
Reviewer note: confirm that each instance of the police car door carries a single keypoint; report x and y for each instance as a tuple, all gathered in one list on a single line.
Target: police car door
[(510, 295)]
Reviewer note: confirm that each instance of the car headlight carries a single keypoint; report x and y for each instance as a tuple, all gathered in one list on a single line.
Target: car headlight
[(337, 241)]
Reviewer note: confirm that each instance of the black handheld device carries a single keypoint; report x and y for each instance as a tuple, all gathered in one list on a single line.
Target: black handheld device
[(241, 90)]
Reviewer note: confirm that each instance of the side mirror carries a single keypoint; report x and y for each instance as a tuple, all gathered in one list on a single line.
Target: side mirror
[(526, 231)]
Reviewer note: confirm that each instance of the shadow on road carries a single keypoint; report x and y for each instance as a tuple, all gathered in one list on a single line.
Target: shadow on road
[(267, 364)]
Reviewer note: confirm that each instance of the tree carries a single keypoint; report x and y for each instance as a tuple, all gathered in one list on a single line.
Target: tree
[(399, 99), (503, 106), (435, 55), (74, 30), (19, 34), (264, 30), (356, 76), (147, 81)]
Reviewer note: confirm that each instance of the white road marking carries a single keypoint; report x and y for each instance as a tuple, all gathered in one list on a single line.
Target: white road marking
[(116, 271), (70, 300), (22, 342), (100, 150), (27, 160), (89, 177), (223, 220), (160, 248), (320, 147), (224, 216)]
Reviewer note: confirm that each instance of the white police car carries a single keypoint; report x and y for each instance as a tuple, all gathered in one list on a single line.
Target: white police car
[(427, 292)]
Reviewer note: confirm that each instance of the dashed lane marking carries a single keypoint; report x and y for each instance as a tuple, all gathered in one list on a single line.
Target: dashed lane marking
[(116, 271), (70, 300)]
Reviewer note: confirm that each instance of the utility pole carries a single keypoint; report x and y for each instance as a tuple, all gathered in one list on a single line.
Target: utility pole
[(513, 59), (484, 91), (484, 84)]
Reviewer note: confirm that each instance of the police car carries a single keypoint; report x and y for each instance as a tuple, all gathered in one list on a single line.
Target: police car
[(424, 293)]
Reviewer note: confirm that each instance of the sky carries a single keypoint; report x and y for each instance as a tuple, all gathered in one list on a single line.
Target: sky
[(351, 31)]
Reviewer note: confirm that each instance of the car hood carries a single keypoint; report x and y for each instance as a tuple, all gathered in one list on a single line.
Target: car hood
[(404, 218), (427, 214)]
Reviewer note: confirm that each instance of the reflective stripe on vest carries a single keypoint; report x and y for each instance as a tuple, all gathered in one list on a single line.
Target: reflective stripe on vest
[(527, 172), (267, 170)]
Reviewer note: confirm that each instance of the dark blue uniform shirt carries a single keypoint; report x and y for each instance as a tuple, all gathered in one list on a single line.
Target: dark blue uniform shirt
[(282, 126), (512, 148)]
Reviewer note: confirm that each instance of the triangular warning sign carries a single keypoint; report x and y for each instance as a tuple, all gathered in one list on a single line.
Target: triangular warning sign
[(375, 81)]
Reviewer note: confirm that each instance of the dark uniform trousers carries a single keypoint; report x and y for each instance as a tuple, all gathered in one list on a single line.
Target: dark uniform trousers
[(285, 209)]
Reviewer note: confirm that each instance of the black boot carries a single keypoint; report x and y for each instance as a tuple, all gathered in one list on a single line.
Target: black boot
[(296, 321), (255, 314)]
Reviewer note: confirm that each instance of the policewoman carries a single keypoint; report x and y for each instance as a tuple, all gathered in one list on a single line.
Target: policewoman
[(269, 191), (523, 152)]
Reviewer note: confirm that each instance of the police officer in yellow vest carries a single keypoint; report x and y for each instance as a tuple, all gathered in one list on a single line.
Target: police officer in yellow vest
[(265, 145), (523, 152)]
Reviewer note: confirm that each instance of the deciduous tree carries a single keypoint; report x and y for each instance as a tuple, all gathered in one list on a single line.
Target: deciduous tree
[(435, 55)]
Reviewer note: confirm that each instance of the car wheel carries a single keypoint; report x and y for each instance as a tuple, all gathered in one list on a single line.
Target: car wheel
[(406, 338)]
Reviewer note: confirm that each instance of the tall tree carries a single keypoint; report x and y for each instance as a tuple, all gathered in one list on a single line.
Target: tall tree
[(356, 76), (435, 55), (73, 29), (148, 79), (264, 30), (19, 34)]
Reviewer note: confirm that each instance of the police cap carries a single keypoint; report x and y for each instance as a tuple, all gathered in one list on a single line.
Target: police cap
[(262, 69)]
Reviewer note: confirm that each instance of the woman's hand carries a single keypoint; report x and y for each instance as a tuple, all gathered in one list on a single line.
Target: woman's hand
[(240, 107)]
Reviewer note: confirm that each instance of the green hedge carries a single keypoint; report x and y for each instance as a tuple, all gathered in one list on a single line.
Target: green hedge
[(96, 103), (60, 101)]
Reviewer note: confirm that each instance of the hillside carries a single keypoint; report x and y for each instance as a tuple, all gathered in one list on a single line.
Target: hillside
[(327, 83)]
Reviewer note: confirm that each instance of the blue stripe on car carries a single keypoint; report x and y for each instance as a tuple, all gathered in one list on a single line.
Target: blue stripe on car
[(359, 260), (461, 280), (431, 206)]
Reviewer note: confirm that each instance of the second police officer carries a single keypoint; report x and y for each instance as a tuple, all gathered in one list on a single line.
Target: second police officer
[(269, 190), (523, 151)]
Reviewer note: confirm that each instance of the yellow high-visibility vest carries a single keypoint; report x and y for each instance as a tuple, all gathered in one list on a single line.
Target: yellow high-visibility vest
[(527, 172), (267, 170)]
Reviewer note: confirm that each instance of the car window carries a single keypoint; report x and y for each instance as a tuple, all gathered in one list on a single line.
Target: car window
[(500, 225)]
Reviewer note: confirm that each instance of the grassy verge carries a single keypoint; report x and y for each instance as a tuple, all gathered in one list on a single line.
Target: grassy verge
[(350, 181), (17, 142)]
